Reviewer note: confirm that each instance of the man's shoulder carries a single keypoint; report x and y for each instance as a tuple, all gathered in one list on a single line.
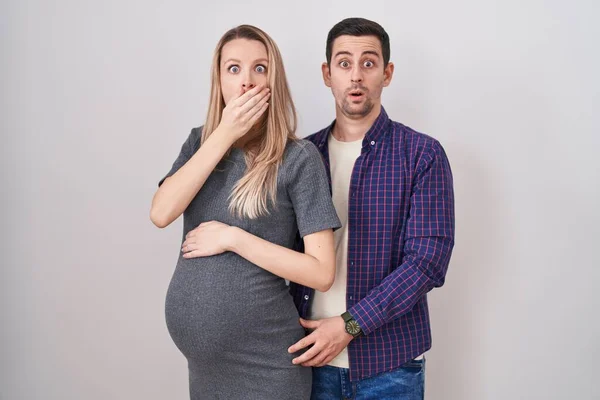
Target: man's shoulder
[(410, 135), (413, 142), (317, 136)]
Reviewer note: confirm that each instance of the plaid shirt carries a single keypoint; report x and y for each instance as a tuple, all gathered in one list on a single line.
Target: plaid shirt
[(400, 238)]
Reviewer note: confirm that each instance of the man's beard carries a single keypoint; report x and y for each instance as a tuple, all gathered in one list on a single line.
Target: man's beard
[(351, 110)]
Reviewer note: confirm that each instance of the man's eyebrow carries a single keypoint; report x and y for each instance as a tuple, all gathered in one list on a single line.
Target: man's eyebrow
[(371, 52), (343, 53), (347, 53)]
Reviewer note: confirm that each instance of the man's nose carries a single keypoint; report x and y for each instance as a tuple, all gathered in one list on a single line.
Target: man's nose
[(356, 75)]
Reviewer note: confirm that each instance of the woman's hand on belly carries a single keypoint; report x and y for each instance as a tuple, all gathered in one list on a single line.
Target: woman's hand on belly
[(315, 268), (208, 239)]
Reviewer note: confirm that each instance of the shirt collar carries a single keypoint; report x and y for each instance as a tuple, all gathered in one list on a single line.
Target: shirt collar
[(373, 135)]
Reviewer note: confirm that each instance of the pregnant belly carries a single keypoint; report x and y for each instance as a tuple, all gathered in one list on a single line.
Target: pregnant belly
[(224, 304)]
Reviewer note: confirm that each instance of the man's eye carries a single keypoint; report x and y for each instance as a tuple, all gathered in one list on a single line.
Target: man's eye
[(234, 69), (344, 64), (368, 64)]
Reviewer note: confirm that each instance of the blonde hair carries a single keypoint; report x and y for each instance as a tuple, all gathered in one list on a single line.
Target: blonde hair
[(250, 196)]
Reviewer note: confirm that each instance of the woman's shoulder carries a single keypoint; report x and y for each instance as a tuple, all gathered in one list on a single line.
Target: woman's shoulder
[(302, 161), (300, 150), (196, 134), (192, 143)]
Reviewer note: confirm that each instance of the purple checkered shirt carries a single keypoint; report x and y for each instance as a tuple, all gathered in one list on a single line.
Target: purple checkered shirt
[(400, 238)]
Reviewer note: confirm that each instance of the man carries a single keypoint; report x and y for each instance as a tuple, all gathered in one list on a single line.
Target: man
[(392, 189)]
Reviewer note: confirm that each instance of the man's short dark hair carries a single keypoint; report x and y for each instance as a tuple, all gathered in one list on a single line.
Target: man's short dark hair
[(359, 27)]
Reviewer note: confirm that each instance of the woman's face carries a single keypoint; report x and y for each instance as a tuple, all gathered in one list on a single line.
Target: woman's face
[(243, 66)]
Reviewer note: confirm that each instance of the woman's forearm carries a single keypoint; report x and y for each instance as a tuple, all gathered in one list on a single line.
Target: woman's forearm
[(177, 191), (315, 271)]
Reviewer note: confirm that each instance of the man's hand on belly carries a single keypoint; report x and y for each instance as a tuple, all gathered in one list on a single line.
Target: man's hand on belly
[(329, 338)]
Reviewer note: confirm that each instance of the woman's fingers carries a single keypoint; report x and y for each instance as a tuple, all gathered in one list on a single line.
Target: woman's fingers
[(244, 98), (249, 106), (259, 112)]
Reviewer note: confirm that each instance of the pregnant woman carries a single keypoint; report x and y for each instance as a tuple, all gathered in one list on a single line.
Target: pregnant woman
[(246, 186)]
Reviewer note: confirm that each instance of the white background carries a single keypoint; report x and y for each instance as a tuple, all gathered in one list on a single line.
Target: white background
[(97, 97)]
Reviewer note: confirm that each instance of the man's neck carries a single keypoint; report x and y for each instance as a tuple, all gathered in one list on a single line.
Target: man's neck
[(348, 129)]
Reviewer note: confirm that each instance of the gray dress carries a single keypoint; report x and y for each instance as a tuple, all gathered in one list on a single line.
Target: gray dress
[(231, 319)]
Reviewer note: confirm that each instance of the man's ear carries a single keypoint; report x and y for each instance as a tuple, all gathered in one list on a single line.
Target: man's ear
[(388, 72), (326, 74)]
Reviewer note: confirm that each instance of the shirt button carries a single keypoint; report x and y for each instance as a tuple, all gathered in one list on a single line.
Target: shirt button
[(372, 143), (350, 297), (305, 297), (352, 263)]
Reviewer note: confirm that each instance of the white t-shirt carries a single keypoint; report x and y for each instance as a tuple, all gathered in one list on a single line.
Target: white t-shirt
[(342, 156)]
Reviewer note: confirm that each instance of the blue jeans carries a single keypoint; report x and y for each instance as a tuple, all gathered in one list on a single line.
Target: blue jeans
[(404, 383)]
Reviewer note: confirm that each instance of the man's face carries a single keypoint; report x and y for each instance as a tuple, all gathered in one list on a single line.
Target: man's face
[(356, 74)]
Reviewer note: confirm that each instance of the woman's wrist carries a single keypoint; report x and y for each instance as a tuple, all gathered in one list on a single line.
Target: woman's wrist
[(232, 237), (226, 134)]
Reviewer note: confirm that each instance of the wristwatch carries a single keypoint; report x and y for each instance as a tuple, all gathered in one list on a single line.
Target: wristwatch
[(352, 327)]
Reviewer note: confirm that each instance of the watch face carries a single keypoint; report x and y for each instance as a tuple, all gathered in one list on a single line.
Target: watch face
[(352, 327)]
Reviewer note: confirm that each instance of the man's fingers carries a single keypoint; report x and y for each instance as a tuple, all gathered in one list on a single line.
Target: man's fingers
[(317, 360), (310, 324), (308, 355), (302, 343), (326, 361)]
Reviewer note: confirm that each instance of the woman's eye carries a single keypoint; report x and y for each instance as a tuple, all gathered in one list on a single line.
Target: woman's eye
[(261, 69), (344, 64), (234, 69)]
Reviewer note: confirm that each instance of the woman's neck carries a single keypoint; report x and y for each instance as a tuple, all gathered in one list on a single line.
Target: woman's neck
[(252, 138)]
